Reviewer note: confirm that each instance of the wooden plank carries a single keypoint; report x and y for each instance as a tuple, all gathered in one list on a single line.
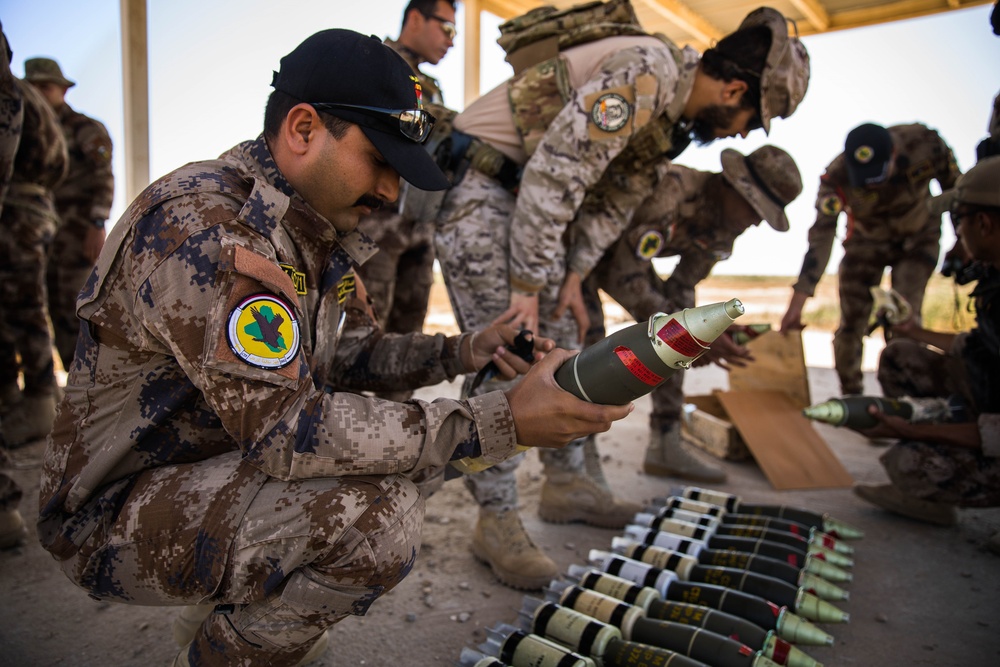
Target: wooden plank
[(780, 364), (784, 443)]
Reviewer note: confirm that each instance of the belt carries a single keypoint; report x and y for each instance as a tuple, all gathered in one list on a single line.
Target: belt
[(469, 151)]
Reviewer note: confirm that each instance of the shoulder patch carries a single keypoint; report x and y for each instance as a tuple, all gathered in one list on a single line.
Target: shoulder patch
[(263, 331), (921, 171), (346, 287), (298, 278), (610, 112), (649, 245), (831, 205)]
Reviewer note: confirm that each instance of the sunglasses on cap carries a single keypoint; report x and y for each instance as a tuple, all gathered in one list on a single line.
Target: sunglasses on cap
[(414, 124), (450, 31)]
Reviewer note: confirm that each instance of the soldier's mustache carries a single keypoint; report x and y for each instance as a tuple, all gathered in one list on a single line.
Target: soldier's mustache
[(371, 201)]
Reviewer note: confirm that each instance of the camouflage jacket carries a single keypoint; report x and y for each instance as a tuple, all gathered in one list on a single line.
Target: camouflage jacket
[(677, 219), (572, 129), (430, 88), (41, 160), (894, 212), (212, 321), (980, 352), (88, 190), (11, 118)]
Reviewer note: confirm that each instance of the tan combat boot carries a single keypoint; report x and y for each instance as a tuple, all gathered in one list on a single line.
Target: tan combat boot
[(12, 529), (30, 420), (889, 497), (501, 542), (669, 456), (592, 462), (186, 624), (570, 497)]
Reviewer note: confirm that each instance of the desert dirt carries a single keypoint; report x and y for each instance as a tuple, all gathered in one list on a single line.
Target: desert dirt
[(921, 595)]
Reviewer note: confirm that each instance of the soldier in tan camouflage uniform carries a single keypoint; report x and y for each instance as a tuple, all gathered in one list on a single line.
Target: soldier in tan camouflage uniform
[(697, 216), (529, 151), (200, 456), (29, 222), (937, 467), (12, 528), (881, 182), (83, 201), (400, 275)]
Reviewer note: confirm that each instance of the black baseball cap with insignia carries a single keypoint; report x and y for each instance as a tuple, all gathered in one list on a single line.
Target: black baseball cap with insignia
[(361, 80), (868, 153)]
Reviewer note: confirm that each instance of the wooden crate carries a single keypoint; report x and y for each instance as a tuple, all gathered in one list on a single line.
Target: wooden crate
[(708, 428)]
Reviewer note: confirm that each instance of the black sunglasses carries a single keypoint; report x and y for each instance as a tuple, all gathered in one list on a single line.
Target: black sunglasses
[(414, 124), (447, 26)]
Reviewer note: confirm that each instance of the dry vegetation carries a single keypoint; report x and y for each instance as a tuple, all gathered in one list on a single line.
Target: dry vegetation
[(946, 306)]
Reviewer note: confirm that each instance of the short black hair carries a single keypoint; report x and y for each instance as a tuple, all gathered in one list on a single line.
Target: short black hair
[(740, 55), (278, 106), (425, 7)]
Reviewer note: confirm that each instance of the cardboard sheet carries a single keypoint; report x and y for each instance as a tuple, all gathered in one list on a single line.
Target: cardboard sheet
[(784, 443), (779, 364)]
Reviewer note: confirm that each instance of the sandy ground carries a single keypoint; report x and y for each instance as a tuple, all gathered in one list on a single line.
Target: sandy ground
[(921, 595)]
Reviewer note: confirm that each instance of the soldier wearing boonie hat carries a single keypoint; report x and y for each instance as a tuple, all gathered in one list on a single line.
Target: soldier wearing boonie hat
[(83, 200), (214, 447), (605, 115), (950, 457), (881, 181), (697, 216)]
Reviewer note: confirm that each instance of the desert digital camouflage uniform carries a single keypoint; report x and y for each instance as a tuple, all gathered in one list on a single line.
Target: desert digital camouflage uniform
[(969, 376), (29, 223), (489, 240), (888, 226), (399, 276), (82, 198), (197, 457), (681, 218)]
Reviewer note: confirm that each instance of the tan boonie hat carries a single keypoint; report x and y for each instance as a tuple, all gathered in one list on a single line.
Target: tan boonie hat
[(980, 186), (45, 70), (768, 179), (785, 77)]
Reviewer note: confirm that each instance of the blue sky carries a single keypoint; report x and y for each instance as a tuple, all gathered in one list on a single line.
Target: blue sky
[(211, 64)]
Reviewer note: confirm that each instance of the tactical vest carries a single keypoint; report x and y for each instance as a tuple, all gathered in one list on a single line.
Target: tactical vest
[(540, 88)]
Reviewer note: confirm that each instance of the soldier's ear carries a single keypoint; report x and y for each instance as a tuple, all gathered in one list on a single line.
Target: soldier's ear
[(733, 91), (299, 127)]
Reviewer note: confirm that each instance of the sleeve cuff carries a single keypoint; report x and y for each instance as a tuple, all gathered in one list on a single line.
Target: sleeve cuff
[(989, 432), (495, 424)]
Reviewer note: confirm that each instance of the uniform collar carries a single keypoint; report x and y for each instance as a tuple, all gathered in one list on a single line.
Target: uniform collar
[(256, 157)]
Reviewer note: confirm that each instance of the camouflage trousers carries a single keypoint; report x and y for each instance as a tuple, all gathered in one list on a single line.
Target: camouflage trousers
[(67, 271), (471, 240), (909, 368), (944, 474), (911, 263), (939, 473), (399, 276), (25, 341), (668, 397), (306, 554)]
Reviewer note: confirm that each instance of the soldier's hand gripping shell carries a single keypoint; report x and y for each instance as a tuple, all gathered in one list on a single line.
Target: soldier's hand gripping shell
[(500, 350)]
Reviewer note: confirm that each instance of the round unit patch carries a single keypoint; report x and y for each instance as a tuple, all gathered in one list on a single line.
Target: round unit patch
[(831, 205), (863, 154), (264, 332), (610, 112), (649, 245)]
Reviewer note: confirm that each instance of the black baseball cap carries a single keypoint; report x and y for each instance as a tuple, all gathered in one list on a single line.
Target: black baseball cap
[(361, 80), (868, 152)]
